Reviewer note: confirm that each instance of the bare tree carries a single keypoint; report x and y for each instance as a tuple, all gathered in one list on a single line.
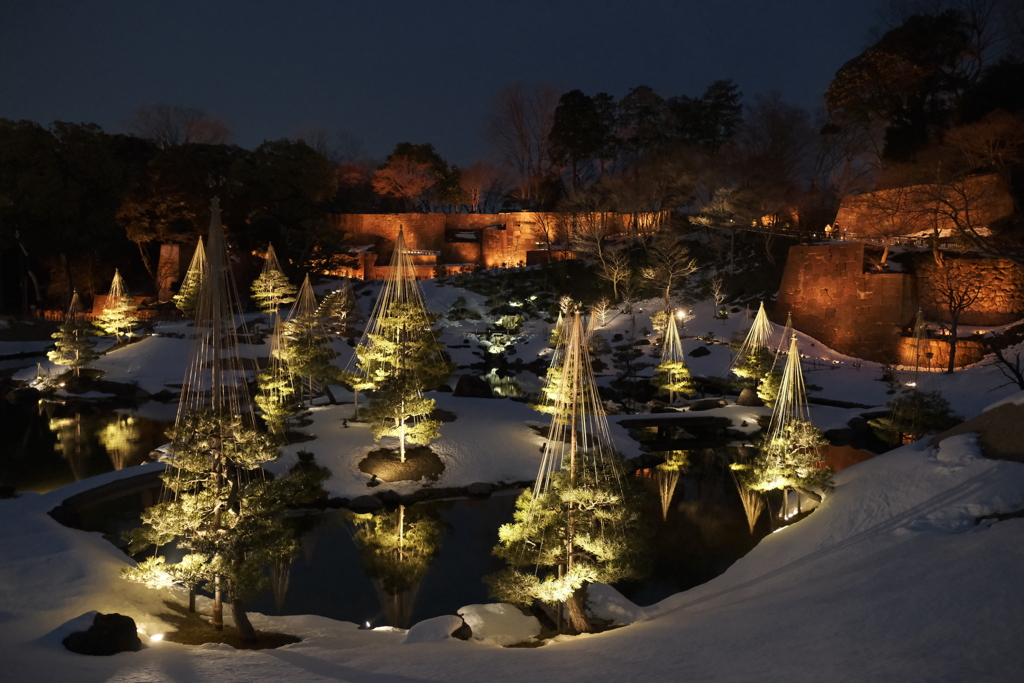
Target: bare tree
[(319, 140), (405, 179), (169, 126), (669, 263), (953, 287), (616, 269), (478, 180), (889, 214), (518, 127)]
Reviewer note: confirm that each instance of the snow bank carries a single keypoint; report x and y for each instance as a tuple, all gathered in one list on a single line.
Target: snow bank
[(434, 630)]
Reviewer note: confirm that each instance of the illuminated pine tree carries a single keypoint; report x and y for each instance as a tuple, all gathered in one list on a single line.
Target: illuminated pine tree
[(74, 346), (672, 375), (307, 347), (789, 456), (399, 358), (119, 315), (338, 310), (277, 399), (217, 504), (185, 299), (581, 522), (754, 359), (271, 289), (559, 338)]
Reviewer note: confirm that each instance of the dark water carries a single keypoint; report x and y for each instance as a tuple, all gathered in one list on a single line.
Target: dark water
[(704, 533), (50, 444)]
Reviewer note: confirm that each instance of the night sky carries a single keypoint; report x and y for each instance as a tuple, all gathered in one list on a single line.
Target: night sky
[(396, 71)]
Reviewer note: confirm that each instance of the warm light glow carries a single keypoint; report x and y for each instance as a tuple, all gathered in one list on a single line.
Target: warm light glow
[(157, 637)]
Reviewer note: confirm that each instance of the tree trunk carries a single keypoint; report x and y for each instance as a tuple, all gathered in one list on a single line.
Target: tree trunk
[(809, 493), (952, 346), (191, 599), (218, 605), (576, 604), (242, 623)]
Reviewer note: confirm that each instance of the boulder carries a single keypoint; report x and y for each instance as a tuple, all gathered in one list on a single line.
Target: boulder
[(479, 490), (470, 386), (700, 351), (708, 404), (499, 623), (435, 630), (444, 388), (108, 635), (365, 504), (749, 398)]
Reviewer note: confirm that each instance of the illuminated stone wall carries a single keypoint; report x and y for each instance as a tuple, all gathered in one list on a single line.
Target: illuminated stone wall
[(984, 196), (933, 354), (833, 300), (1002, 295)]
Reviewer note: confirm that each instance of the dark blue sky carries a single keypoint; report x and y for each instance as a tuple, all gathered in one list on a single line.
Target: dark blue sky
[(399, 71)]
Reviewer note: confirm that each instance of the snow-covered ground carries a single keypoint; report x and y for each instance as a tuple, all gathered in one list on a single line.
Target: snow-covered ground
[(889, 580)]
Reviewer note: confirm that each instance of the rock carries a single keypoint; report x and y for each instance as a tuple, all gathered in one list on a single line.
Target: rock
[(435, 630), (108, 635), (642, 342), (749, 398), (700, 351), (444, 388), (470, 386), (336, 502), (708, 404), (479, 490), (500, 623), (365, 504)]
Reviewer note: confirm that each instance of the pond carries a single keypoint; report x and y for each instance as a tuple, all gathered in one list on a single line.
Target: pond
[(47, 444), (347, 568)]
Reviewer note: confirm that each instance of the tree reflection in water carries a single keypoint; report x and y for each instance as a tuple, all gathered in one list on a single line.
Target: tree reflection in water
[(396, 549)]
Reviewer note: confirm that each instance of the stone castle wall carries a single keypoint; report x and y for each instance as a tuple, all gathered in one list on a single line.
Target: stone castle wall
[(915, 209), (1001, 284), (833, 300), (933, 354)]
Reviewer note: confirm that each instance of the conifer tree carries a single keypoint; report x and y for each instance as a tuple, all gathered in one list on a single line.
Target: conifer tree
[(280, 406), (672, 375), (399, 358), (306, 349), (119, 315), (912, 415), (74, 347), (217, 504), (402, 362), (790, 453), (271, 289), (185, 299), (754, 360), (338, 310), (676, 462), (581, 522), (224, 511)]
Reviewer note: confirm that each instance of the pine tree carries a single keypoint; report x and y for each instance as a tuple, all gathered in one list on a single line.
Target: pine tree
[(74, 347), (399, 358), (188, 292), (306, 349), (912, 415), (271, 289), (224, 511), (672, 375), (280, 406), (119, 314), (402, 362), (338, 310), (217, 503), (581, 522), (594, 521)]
